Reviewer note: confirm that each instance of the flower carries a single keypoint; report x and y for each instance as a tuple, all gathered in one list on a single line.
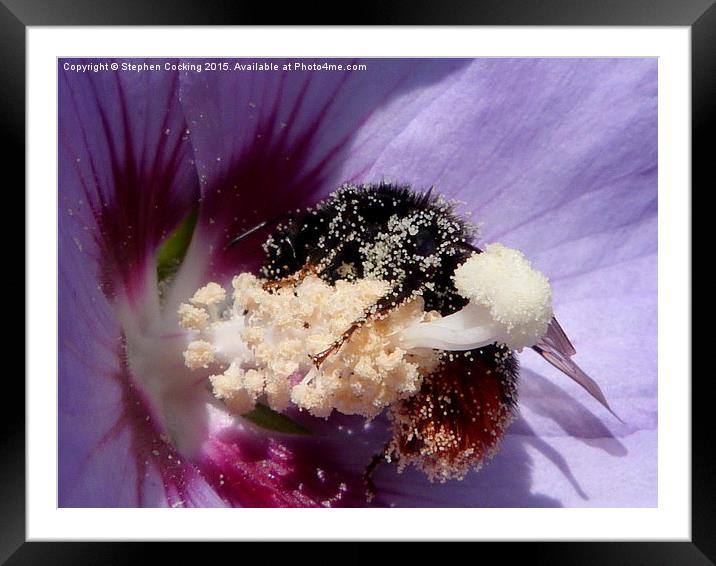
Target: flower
[(554, 157)]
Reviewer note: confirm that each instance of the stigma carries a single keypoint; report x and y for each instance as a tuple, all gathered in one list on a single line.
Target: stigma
[(509, 303)]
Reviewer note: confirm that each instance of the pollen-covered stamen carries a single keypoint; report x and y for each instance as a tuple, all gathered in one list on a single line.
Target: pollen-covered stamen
[(238, 388), (199, 354), (210, 296), (191, 317), (509, 303), (261, 346), (197, 317)]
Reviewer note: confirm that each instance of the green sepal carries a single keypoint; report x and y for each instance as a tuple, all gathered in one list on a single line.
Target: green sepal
[(267, 418), (173, 249)]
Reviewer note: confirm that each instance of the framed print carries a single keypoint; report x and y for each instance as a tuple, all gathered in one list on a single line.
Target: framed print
[(435, 277)]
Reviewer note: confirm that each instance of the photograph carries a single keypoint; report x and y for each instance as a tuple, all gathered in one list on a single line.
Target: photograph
[(376, 282)]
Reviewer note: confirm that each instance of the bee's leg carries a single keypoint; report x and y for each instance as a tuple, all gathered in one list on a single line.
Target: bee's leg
[(382, 306), (292, 279), (319, 358), (300, 275), (382, 456)]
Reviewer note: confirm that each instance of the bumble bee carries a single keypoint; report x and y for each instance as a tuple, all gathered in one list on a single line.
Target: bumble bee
[(414, 241)]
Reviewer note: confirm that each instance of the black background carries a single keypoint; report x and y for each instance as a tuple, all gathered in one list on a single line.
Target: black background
[(16, 15)]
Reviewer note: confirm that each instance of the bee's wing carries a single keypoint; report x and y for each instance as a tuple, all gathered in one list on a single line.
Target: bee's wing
[(556, 348)]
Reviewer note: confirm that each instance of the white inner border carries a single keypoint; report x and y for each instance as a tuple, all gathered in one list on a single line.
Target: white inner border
[(670, 520)]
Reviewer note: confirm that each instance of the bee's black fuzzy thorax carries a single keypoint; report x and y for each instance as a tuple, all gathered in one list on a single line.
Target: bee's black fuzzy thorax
[(413, 240)]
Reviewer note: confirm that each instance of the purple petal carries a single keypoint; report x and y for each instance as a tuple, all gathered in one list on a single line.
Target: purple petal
[(269, 142), (557, 158), (249, 469), (133, 430), (121, 154), (125, 168)]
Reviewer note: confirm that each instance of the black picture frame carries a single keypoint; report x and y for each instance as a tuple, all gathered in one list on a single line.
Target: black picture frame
[(17, 15)]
